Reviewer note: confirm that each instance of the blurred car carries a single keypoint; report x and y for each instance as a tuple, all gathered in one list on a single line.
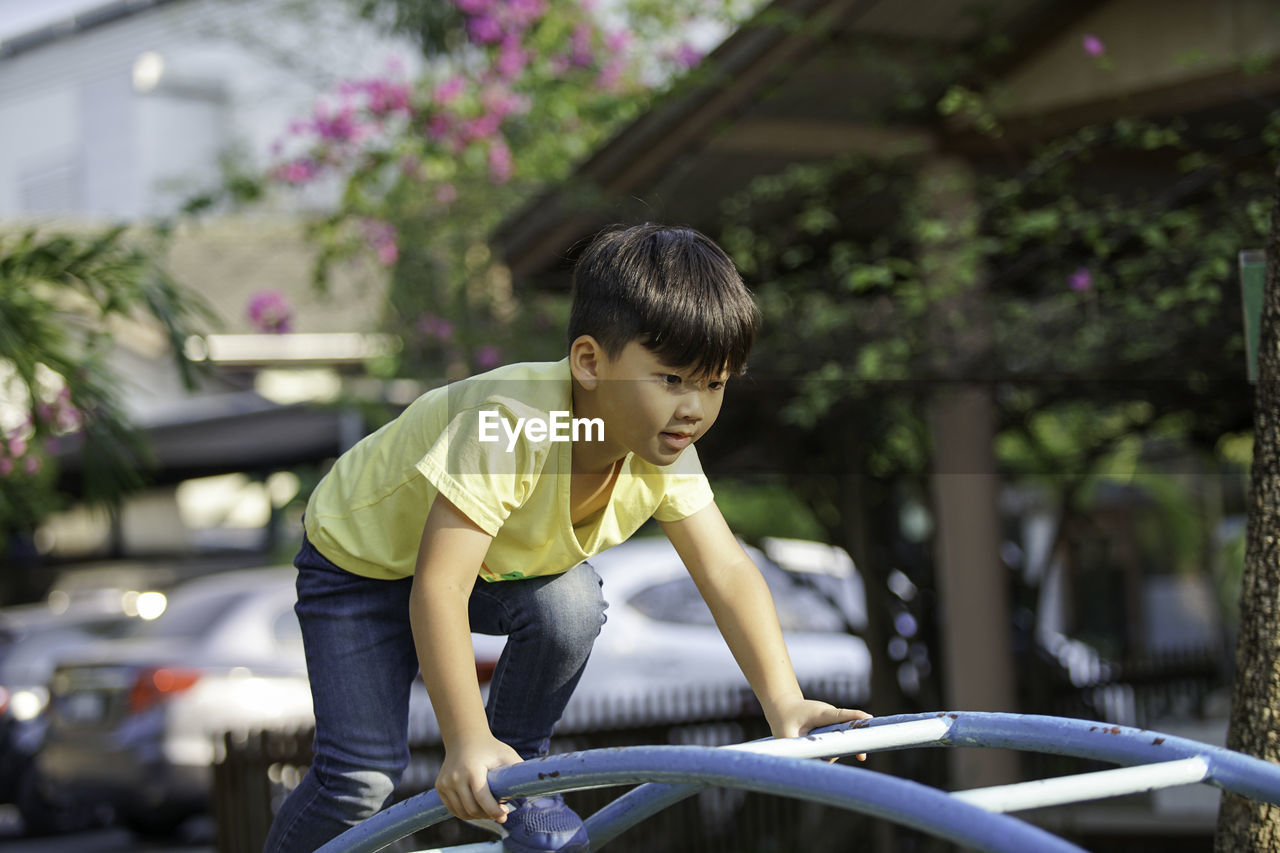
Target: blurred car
[(660, 651), (32, 638), (136, 723)]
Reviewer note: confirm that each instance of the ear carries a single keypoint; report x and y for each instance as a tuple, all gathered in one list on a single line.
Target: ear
[(586, 357)]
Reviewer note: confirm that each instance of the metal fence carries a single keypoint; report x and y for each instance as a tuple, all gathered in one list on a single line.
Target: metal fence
[(258, 770)]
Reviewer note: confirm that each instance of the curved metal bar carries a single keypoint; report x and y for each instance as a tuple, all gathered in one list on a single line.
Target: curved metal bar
[(647, 800), (671, 774), (852, 788), (1231, 771)]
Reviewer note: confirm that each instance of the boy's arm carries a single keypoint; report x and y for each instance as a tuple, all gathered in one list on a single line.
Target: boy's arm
[(449, 560), (744, 612)]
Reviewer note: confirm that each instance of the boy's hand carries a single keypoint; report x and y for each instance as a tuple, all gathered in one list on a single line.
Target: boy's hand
[(800, 716), (463, 783)]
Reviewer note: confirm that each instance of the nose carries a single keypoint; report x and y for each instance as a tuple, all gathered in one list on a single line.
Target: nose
[(690, 408)]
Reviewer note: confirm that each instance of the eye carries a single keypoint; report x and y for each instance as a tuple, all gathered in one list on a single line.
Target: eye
[(716, 385), (671, 379)]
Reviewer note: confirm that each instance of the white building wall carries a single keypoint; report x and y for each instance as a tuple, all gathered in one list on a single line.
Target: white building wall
[(78, 137)]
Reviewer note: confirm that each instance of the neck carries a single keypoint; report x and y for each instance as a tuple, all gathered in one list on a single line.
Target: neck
[(592, 457)]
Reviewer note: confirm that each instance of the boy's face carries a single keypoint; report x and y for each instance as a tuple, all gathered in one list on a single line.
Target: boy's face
[(653, 409)]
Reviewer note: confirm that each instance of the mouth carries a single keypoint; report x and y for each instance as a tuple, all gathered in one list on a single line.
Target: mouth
[(677, 440)]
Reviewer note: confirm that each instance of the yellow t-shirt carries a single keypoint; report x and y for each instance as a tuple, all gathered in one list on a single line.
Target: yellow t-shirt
[(368, 512)]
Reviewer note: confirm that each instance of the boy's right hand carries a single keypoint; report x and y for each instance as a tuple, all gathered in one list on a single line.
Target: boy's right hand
[(463, 783)]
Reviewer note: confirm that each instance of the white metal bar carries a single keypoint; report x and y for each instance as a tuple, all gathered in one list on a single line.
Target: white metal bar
[(1086, 786), (851, 741)]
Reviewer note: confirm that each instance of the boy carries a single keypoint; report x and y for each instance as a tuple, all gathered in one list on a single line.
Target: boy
[(490, 479)]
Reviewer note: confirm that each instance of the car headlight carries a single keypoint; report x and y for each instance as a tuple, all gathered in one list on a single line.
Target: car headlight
[(26, 704)]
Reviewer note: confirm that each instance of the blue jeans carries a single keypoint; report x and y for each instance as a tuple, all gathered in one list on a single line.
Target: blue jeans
[(361, 662)]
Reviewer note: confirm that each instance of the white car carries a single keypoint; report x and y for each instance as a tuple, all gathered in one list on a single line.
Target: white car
[(661, 655)]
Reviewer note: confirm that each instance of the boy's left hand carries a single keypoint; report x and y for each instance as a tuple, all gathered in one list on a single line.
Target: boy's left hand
[(801, 716)]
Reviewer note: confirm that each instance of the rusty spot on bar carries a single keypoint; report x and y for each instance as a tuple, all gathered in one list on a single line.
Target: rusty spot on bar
[(1157, 741)]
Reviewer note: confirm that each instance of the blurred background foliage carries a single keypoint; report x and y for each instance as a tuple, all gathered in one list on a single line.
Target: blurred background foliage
[(1107, 319), (63, 300)]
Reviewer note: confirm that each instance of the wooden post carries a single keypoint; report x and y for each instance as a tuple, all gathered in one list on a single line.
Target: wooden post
[(972, 582)]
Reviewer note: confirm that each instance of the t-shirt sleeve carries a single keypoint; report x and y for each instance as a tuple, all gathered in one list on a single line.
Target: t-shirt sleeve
[(687, 489), (479, 469)]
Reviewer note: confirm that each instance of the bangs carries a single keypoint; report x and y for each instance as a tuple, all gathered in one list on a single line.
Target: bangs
[(672, 289)]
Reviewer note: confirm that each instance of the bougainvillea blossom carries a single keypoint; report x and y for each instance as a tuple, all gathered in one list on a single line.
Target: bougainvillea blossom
[(487, 356), (1081, 281), (269, 312)]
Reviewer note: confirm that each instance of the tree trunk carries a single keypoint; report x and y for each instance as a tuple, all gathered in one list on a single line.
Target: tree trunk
[(1245, 825)]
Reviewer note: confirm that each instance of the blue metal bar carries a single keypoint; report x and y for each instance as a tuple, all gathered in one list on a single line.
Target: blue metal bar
[(843, 739), (674, 773), (853, 788), (1231, 771)]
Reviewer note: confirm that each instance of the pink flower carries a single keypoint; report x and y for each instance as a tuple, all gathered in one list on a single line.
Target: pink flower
[(686, 56), (339, 127), (481, 128), (611, 74), (502, 102), (69, 418), (484, 29), (269, 312), (439, 126), (386, 97), (435, 327), (446, 193), (617, 42), (450, 89), (6, 466), (1093, 45), (473, 7), (487, 356), (1081, 281), (511, 59), (581, 54), (522, 13), (296, 171), (500, 163), (31, 464), (383, 238)]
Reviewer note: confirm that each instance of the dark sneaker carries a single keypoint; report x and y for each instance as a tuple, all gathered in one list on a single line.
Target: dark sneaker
[(544, 825)]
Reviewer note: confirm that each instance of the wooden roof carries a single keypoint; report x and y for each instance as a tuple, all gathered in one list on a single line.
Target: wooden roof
[(808, 80)]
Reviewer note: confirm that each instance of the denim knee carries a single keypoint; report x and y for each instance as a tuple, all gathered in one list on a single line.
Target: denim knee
[(570, 611), (357, 793)]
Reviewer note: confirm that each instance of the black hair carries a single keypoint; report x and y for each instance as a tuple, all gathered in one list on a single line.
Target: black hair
[(672, 289)]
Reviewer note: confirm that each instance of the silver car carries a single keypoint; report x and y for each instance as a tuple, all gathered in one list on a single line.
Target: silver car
[(137, 723)]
